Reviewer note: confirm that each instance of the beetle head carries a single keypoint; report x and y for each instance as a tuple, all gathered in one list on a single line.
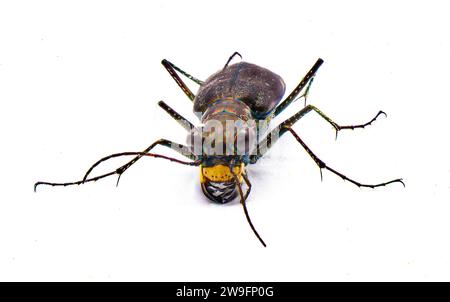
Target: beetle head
[(218, 182)]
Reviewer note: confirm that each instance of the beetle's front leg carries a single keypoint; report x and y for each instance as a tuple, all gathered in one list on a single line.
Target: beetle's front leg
[(322, 165)]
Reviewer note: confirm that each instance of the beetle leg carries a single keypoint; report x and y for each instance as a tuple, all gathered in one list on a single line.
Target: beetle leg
[(322, 165), (171, 68), (293, 119), (231, 58), (273, 136), (183, 150), (117, 171), (187, 75), (180, 119), (306, 79), (306, 93), (174, 146)]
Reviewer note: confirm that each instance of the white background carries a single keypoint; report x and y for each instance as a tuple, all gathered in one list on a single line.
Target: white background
[(81, 80)]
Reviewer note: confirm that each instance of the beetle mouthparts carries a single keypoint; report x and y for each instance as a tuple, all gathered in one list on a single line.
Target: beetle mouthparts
[(220, 192)]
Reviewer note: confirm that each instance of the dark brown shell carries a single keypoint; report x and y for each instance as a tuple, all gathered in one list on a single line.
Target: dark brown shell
[(258, 87)]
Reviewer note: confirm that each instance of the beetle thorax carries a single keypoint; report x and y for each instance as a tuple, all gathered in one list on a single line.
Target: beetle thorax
[(228, 129), (227, 109)]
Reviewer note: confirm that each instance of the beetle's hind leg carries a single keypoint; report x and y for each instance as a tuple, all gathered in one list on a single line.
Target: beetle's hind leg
[(306, 93), (306, 81), (172, 70), (187, 75), (231, 58), (185, 151)]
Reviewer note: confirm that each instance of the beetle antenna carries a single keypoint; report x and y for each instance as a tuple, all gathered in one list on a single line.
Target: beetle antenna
[(231, 58), (244, 206)]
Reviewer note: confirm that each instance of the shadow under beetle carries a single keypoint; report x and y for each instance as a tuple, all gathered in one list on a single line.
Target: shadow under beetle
[(235, 106)]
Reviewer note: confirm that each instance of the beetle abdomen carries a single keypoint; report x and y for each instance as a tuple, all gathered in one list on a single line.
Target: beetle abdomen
[(258, 87)]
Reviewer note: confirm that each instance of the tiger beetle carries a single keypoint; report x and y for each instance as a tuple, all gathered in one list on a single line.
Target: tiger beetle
[(235, 106)]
